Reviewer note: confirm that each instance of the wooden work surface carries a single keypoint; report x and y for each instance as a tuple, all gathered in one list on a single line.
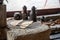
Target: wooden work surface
[(32, 28)]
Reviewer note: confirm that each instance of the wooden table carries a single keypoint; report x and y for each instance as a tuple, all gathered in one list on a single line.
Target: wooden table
[(34, 31)]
